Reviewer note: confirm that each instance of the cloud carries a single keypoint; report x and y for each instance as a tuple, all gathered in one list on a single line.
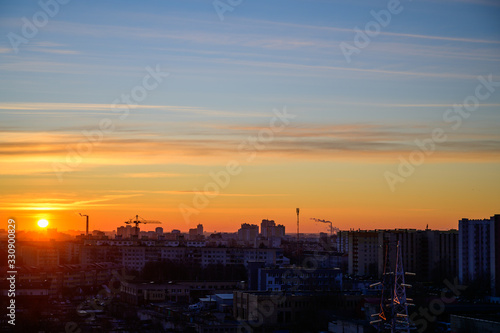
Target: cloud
[(325, 69), (32, 201), (34, 152), (155, 175), (54, 51), (191, 192), (85, 108)]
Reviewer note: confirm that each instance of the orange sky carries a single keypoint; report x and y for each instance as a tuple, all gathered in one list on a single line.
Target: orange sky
[(130, 114), (352, 195)]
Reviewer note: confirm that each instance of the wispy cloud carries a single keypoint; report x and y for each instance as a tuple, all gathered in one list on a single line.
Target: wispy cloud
[(56, 108), (368, 142), (156, 175), (386, 33), (43, 201), (221, 194), (53, 51)]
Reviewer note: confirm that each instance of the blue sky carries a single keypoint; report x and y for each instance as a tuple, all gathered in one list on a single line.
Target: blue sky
[(226, 77), (281, 48)]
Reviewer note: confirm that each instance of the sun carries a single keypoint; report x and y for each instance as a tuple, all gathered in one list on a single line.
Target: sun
[(43, 223)]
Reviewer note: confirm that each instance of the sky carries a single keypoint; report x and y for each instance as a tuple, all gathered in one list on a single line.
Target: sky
[(369, 114)]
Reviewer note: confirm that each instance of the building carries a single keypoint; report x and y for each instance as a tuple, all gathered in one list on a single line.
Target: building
[(278, 231), (467, 324), (326, 259), (264, 227), (343, 241), (196, 233), (350, 326), (298, 278), (268, 311), (364, 254), (479, 251), (40, 255), (268, 228), (138, 293), (248, 233), (193, 234), (70, 276), (69, 252), (125, 232), (133, 255), (430, 254)]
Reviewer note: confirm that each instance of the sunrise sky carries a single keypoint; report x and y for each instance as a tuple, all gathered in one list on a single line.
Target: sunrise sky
[(350, 122)]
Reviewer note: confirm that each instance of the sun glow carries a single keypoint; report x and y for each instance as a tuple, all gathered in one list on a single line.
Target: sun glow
[(43, 223)]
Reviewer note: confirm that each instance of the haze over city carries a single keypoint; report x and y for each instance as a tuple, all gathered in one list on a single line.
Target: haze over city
[(118, 108)]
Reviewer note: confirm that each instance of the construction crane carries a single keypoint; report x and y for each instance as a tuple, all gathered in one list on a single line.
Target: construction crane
[(143, 221), (323, 221)]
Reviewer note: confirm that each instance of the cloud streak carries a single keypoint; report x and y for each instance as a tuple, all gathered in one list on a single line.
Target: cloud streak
[(368, 142), (32, 201)]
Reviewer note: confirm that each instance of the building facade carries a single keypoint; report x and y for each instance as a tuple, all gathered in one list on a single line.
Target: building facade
[(479, 251)]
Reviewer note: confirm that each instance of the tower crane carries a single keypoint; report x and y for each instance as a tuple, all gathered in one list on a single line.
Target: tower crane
[(143, 221)]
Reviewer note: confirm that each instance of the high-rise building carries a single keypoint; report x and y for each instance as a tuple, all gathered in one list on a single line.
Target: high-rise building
[(264, 227), (278, 231), (126, 231), (196, 233), (268, 228), (364, 252), (343, 241), (478, 250), (430, 254), (193, 234), (248, 232)]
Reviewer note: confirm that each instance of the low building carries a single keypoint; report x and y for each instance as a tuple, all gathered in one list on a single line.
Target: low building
[(299, 278), (224, 302), (145, 292), (279, 310), (69, 276)]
